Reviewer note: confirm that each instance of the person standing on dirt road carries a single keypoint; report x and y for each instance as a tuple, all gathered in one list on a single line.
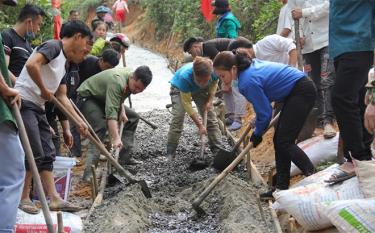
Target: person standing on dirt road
[(17, 39), (263, 82), (12, 169), (101, 100), (313, 17), (40, 79), (351, 46), (198, 82), (120, 7)]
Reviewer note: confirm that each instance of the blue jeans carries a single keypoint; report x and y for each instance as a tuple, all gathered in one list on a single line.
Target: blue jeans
[(12, 174)]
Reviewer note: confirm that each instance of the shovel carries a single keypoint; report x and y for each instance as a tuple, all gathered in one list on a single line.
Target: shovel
[(92, 137), (223, 157), (112, 178), (200, 163), (196, 203)]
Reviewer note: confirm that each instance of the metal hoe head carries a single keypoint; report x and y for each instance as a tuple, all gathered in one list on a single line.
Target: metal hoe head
[(223, 158)]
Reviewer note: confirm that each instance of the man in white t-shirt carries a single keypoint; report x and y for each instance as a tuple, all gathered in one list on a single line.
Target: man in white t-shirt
[(273, 48), (285, 22), (39, 80)]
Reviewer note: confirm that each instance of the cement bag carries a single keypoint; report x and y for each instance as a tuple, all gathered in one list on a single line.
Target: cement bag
[(301, 201), (351, 216), (317, 178), (365, 171), (319, 150), (27, 223)]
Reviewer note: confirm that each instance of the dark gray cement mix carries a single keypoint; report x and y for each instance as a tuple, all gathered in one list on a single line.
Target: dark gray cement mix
[(231, 207)]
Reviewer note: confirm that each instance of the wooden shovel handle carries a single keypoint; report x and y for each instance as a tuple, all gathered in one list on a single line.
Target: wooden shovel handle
[(226, 171), (100, 145)]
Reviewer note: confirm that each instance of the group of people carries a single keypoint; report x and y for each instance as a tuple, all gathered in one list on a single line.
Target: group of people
[(262, 73), (63, 70), (338, 54)]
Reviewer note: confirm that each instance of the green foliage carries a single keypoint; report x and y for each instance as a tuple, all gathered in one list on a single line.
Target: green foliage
[(9, 17), (183, 17), (266, 22), (81, 6)]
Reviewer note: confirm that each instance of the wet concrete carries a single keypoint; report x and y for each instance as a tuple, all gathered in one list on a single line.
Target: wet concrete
[(231, 207)]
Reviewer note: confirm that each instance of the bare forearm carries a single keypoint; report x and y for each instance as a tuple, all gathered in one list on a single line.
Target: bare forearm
[(196, 120), (65, 125), (113, 129), (34, 72), (65, 101)]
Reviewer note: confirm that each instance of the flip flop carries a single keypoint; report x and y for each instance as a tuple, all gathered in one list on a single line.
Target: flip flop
[(28, 206), (64, 206), (340, 176)]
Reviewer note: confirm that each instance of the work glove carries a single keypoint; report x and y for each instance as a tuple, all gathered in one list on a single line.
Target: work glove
[(256, 140)]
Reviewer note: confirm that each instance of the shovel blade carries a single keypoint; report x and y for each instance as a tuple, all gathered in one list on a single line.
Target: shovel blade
[(223, 158), (144, 187)]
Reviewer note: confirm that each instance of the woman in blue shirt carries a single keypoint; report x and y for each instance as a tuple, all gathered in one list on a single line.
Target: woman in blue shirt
[(261, 83)]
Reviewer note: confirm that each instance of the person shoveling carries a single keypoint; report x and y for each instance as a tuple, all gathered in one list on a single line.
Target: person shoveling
[(198, 82), (101, 100)]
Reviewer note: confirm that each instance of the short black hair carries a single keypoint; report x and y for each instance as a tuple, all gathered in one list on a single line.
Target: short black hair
[(111, 56), (144, 74), (73, 11), (30, 11), (240, 42), (190, 41), (69, 29)]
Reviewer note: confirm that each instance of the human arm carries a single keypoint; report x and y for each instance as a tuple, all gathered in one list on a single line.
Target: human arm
[(113, 110), (211, 94), (254, 93), (67, 134), (313, 12), (186, 103), (61, 96), (9, 95), (33, 66), (123, 117), (11, 75)]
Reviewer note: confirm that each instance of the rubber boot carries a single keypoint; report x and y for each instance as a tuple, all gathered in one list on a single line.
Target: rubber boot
[(125, 155), (171, 151)]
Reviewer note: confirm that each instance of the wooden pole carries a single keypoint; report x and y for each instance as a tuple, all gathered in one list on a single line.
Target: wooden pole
[(30, 159), (60, 223)]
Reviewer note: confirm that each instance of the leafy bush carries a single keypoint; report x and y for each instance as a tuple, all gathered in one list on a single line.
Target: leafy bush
[(183, 18)]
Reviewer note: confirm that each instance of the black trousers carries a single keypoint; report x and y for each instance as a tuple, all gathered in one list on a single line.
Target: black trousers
[(323, 75), (348, 102), (39, 134), (294, 113)]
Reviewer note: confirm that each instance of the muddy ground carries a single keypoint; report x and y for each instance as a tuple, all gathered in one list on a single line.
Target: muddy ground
[(231, 207)]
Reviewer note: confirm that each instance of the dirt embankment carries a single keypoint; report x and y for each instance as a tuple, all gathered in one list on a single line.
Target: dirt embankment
[(142, 32)]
